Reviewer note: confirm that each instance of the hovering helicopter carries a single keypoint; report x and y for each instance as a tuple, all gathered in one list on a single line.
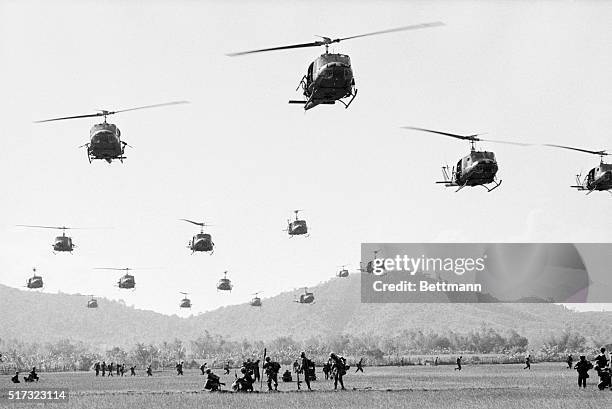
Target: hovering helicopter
[(201, 241), (92, 303), (369, 267), (478, 168), (105, 139), (343, 273), (127, 281), (185, 302), (306, 298), (330, 77), (256, 301), (35, 281), (62, 243), (224, 284), (296, 227), (599, 178)]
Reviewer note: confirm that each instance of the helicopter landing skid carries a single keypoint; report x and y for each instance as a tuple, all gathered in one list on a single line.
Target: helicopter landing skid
[(496, 183), (350, 102)]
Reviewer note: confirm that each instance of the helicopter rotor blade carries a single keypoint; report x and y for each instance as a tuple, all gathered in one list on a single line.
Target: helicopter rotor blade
[(507, 142), (46, 227), (463, 137), (149, 106), (70, 117), (600, 153), (201, 224), (392, 30), (284, 47)]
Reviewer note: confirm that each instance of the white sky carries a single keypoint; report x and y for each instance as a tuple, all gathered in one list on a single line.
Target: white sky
[(242, 158)]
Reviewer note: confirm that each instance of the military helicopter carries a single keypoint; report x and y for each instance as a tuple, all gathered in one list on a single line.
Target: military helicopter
[(296, 227), (306, 298), (105, 139), (201, 241), (330, 77), (92, 303), (35, 281), (224, 284), (256, 301), (185, 302), (369, 267), (62, 243), (599, 178), (478, 168), (343, 273), (127, 281)]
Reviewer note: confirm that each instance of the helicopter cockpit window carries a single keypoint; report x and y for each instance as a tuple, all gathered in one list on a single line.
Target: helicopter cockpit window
[(606, 167)]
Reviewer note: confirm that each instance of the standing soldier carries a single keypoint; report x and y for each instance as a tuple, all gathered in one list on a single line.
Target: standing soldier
[(359, 366), (338, 369), (602, 359), (326, 369), (132, 370), (226, 368), (103, 368), (271, 369), (307, 368), (111, 368), (458, 368), (179, 368), (527, 362), (256, 373), (203, 368), (97, 368), (570, 361), (583, 366), (149, 371)]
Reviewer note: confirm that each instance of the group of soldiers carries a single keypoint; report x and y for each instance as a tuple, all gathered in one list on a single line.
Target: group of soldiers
[(32, 377), (602, 367), (107, 370)]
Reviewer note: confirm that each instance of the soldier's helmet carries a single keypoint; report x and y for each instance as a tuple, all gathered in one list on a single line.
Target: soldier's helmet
[(267, 359), (303, 354), (207, 370), (243, 370)]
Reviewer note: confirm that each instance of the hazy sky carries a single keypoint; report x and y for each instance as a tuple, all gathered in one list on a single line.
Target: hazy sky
[(241, 158)]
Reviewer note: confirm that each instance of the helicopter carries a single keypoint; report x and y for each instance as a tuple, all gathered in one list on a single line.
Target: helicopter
[(296, 227), (127, 281), (306, 298), (256, 301), (35, 281), (92, 303), (224, 284), (62, 243), (343, 273), (599, 178), (330, 77), (185, 302), (369, 267), (105, 138), (201, 241), (478, 168)]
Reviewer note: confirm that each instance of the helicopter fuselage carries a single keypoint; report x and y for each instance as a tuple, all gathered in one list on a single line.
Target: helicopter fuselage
[(201, 242), (63, 243), (185, 303), (599, 178), (477, 168), (329, 79), (127, 282), (306, 298), (93, 303), (105, 143), (256, 302), (35, 282), (297, 228)]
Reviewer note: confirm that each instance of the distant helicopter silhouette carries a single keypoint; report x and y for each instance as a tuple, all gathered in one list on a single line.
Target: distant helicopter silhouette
[(92, 303), (369, 267), (306, 298), (34, 282), (296, 227), (330, 77), (598, 178), (201, 241), (224, 284), (185, 302), (62, 243), (343, 273), (256, 301), (127, 281), (478, 168), (105, 139)]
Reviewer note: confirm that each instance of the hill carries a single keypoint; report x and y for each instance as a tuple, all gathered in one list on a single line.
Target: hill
[(337, 310)]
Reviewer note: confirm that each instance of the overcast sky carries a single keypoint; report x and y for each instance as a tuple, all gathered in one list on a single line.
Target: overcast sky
[(241, 158)]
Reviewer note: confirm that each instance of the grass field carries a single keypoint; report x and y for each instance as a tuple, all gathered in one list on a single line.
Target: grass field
[(483, 386)]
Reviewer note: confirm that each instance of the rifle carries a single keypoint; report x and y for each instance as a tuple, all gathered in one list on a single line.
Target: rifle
[(263, 363)]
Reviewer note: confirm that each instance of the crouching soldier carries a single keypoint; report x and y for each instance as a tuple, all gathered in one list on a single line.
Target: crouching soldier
[(32, 376), (287, 377), (583, 366), (15, 378), (271, 369), (213, 382)]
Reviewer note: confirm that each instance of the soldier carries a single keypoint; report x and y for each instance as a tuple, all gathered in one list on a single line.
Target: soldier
[(256, 373), (103, 368), (287, 376), (227, 368), (602, 359), (132, 370), (583, 366), (326, 369), (307, 368), (360, 366), (271, 369), (203, 368), (179, 368), (458, 368), (338, 369), (528, 362), (149, 371), (111, 368), (436, 362), (122, 369), (118, 369), (15, 379), (570, 360), (97, 368), (212, 381), (32, 376)]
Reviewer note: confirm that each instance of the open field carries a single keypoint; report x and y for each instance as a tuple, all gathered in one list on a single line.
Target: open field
[(491, 386)]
